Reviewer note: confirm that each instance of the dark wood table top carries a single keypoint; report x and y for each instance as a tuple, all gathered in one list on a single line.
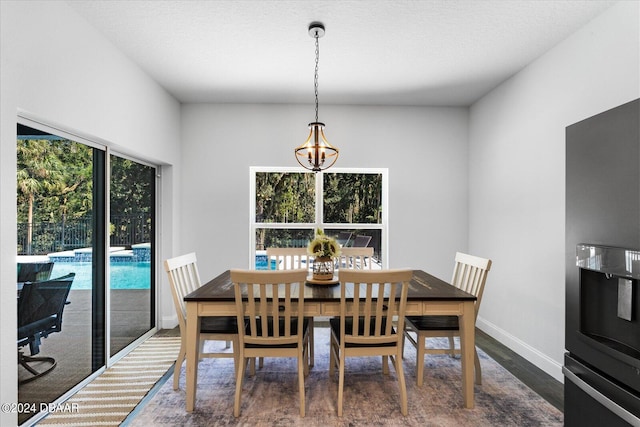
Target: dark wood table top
[(423, 287)]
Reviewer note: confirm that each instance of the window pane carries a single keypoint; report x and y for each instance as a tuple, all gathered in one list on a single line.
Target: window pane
[(282, 238), (353, 237), (278, 238), (352, 198), (285, 197), (56, 208), (131, 249), (54, 194)]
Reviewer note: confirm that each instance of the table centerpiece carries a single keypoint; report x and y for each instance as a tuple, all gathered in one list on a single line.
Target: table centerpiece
[(325, 250)]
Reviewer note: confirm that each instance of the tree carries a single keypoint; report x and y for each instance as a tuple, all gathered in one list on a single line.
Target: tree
[(283, 197), (55, 194), (131, 200), (352, 198), (54, 181), (38, 171)]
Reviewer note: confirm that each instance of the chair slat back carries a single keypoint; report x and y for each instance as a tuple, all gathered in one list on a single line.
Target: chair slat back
[(265, 298), (355, 258), (470, 275), (184, 279), (379, 297), (288, 258)]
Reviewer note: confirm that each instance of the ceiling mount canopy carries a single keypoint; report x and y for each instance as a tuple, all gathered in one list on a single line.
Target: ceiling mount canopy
[(316, 153)]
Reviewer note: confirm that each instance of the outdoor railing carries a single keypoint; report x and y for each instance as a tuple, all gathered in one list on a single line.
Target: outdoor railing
[(48, 237)]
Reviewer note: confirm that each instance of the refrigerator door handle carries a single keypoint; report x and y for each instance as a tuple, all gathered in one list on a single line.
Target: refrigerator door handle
[(601, 398)]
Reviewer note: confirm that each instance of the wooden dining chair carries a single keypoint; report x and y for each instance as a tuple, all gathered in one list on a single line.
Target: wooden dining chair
[(470, 275), (288, 258), (355, 258), (184, 279), (274, 327), (291, 259), (379, 297)]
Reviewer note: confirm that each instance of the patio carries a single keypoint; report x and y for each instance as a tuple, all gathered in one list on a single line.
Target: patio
[(72, 346)]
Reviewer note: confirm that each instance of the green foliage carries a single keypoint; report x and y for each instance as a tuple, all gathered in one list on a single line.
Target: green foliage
[(349, 198), (54, 180), (130, 186), (285, 197), (131, 199), (290, 197), (55, 196), (352, 198)]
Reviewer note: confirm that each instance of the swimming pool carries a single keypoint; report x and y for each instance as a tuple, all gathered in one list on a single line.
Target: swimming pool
[(124, 275), (261, 262)]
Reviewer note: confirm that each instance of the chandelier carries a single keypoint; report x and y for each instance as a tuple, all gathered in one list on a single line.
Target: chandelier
[(316, 153)]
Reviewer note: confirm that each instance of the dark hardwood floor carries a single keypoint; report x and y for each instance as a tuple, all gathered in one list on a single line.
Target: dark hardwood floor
[(542, 383)]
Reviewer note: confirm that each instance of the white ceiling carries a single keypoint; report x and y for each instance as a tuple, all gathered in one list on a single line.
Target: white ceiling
[(387, 52)]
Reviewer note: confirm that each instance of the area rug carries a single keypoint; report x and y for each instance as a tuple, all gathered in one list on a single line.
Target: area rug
[(270, 398), (109, 399)]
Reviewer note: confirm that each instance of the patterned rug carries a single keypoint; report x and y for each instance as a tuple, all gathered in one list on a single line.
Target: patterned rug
[(271, 397), (110, 398)]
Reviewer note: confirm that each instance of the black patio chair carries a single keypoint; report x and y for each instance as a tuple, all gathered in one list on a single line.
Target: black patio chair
[(34, 271), (343, 238), (40, 308), (361, 241)]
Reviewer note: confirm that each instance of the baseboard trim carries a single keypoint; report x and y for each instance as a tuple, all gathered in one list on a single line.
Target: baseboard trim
[(533, 355), (169, 322)]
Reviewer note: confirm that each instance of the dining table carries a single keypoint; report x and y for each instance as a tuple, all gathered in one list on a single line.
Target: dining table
[(427, 295)]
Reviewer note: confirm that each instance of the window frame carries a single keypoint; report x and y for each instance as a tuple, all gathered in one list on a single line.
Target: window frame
[(383, 226)]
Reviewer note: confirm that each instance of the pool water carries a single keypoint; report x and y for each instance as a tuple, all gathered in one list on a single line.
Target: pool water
[(124, 275), (261, 263)]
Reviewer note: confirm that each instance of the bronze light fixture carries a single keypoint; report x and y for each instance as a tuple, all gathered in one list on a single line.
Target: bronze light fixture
[(316, 153)]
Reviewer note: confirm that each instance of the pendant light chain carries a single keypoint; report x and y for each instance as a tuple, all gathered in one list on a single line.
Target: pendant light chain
[(316, 154), (315, 79)]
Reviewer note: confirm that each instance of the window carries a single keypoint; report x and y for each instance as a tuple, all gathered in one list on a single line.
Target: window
[(289, 204)]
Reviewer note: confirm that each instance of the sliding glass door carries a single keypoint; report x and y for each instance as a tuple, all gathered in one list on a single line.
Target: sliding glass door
[(87, 212), (131, 260)]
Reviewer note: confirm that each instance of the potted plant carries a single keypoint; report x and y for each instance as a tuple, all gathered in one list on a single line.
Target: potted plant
[(324, 250)]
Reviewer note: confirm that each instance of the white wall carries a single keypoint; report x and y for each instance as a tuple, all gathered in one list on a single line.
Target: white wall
[(425, 150), (56, 67), (517, 176)]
